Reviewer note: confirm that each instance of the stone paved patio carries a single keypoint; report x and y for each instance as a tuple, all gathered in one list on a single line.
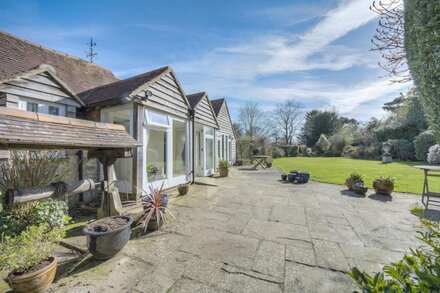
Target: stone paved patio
[(253, 233)]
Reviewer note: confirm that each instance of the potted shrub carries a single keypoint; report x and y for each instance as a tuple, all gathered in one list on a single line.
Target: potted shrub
[(152, 172), (107, 236), (28, 258), (183, 188), (359, 188), (384, 185), (223, 165), (155, 206), (354, 177)]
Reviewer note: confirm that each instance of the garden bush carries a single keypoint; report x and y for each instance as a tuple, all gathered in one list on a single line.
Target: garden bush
[(331, 153), (361, 152), (338, 142), (422, 143), (402, 149), (434, 155), (50, 212), (277, 153), (323, 144)]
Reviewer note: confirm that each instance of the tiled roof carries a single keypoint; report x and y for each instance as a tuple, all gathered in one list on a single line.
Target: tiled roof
[(194, 99), (217, 105), (18, 55), (23, 128), (120, 88)]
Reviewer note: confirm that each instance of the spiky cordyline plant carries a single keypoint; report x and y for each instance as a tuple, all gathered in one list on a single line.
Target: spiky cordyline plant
[(154, 204)]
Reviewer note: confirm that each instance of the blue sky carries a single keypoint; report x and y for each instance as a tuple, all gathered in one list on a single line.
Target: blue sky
[(316, 52)]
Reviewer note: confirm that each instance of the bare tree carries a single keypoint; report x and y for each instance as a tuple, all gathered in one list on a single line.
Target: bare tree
[(389, 39), (253, 120), (286, 118)]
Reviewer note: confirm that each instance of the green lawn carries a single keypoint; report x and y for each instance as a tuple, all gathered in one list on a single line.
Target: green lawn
[(336, 170)]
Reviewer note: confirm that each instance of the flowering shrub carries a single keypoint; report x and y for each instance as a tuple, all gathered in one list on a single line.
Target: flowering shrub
[(434, 155), (422, 143), (50, 212)]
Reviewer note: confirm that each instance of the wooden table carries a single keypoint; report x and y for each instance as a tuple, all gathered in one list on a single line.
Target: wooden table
[(429, 170), (261, 161)]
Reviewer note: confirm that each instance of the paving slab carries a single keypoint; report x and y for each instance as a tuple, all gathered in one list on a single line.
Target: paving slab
[(252, 233)]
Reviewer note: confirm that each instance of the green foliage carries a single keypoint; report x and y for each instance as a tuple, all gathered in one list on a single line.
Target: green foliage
[(50, 212), (245, 145), (151, 169), (434, 155), (15, 220), (361, 152), (422, 43), (319, 122), (422, 143), (418, 271), (323, 144), (277, 153), (223, 164), (347, 135), (402, 149), (29, 249), (386, 179), (356, 176)]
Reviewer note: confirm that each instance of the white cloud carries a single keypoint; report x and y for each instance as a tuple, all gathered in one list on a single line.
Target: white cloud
[(273, 54)]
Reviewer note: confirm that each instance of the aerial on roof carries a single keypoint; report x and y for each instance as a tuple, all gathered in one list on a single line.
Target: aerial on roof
[(194, 99), (19, 128), (18, 55), (121, 88), (217, 105)]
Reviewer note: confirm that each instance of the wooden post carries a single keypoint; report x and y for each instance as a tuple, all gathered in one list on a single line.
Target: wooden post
[(137, 170)]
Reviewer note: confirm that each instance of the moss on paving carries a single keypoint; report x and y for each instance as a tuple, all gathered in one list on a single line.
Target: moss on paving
[(336, 170)]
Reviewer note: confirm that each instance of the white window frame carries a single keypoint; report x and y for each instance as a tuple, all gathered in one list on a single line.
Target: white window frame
[(43, 106)]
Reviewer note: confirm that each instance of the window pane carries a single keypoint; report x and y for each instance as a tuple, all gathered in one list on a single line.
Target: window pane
[(154, 117), (179, 150), (32, 107), (156, 155), (209, 131), (209, 153), (54, 110)]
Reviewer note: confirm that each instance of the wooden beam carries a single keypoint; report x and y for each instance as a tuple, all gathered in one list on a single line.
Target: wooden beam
[(23, 195)]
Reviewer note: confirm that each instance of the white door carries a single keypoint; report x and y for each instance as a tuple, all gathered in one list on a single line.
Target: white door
[(209, 147)]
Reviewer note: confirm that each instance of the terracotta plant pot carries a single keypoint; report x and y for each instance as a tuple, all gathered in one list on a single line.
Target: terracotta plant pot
[(104, 245), (382, 187), (224, 172), (34, 282), (183, 189)]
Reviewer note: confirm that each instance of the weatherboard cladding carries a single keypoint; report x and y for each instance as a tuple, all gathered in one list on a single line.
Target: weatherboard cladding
[(40, 86), (18, 55), (167, 96), (225, 126), (204, 113)]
